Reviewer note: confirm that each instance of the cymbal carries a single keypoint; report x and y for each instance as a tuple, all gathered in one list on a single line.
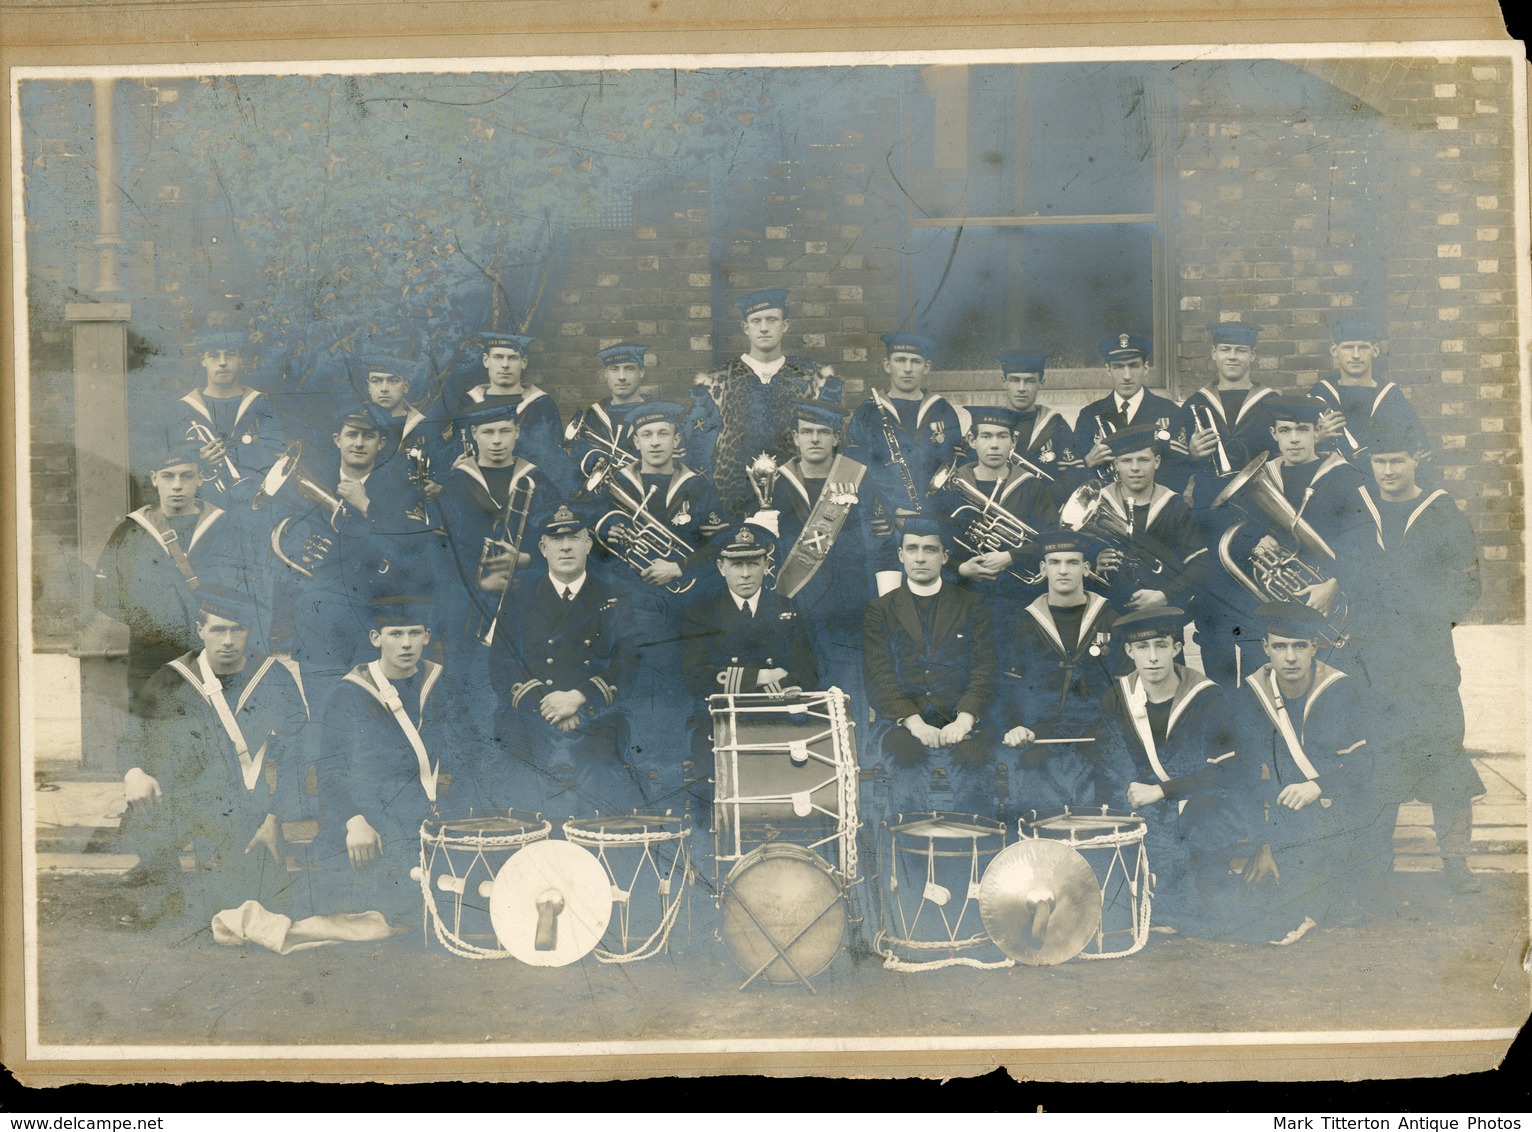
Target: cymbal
[(551, 903), (1040, 902)]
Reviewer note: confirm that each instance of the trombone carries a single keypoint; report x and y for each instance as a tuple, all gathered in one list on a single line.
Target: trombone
[(518, 506)]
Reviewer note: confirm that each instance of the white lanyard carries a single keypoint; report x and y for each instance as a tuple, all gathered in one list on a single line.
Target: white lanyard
[(212, 691), (388, 696), (1277, 711)]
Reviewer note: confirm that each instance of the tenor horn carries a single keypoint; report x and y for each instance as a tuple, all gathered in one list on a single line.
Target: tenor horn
[(990, 527), (631, 532), (608, 448)]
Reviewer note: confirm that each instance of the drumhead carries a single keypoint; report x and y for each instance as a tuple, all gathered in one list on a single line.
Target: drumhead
[(783, 900), (937, 826), (509, 826), (1040, 902), (1083, 824), (637, 826)]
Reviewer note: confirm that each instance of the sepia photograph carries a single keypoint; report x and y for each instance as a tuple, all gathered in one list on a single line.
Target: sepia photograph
[(580, 567)]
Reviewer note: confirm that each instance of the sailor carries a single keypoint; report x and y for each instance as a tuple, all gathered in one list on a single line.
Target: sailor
[(903, 436), (755, 393)]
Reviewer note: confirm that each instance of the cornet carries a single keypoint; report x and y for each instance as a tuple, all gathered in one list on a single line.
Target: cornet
[(603, 447), (631, 532), (1222, 465), (205, 436)]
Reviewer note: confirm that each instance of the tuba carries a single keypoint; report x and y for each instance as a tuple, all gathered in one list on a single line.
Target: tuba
[(1278, 575), (288, 471), (631, 532), (990, 527)]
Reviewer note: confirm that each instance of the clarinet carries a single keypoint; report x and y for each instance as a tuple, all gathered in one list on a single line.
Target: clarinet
[(896, 454)]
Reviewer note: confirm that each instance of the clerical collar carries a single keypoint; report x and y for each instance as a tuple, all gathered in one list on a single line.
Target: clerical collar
[(764, 370), (753, 602), (564, 588), (924, 589)]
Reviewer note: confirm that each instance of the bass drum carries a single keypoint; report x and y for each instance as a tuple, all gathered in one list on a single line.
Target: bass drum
[(784, 914)]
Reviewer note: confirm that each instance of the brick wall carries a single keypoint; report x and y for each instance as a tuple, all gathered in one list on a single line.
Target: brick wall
[(1403, 211), (648, 282), (1392, 193)]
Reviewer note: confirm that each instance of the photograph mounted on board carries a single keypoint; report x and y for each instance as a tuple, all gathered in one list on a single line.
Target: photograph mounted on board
[(899, 557)]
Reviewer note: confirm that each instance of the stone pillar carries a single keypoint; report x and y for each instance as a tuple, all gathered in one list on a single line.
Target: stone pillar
[(101, 462)]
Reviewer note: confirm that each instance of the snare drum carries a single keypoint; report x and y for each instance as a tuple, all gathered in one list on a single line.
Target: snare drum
[(645, 857), (461, 855), (784, 914), (784, 771), (930, 916), (1113, 843)]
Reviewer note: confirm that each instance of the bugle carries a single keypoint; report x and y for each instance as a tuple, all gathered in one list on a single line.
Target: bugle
[(631, 532)]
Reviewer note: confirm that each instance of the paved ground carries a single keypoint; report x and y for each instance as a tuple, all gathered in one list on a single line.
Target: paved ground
[(1423, 957)]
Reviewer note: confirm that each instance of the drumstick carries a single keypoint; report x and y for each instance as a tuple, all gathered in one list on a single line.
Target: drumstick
[(1041, 742)]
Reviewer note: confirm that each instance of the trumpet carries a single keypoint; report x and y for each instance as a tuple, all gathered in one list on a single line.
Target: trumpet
[(631, 532), (604, 447), (418, 471), (518, 506), (1354, 447), (205, 436), (1107, 472), (1222, 465), (1278, 575), (991, 527)]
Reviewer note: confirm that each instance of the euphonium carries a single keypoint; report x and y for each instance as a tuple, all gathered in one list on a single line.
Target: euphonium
[(1277, 575), (289, 471), (631, 532), (991, 527)]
